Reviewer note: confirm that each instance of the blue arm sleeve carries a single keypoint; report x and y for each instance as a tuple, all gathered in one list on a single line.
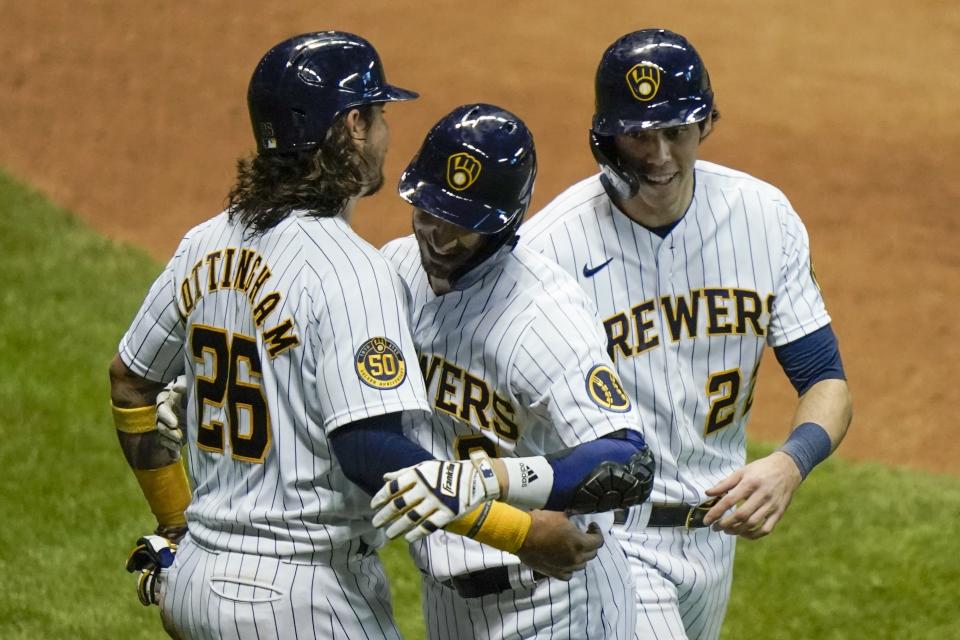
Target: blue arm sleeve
[(571, 466), (810, 359), (369, 448)]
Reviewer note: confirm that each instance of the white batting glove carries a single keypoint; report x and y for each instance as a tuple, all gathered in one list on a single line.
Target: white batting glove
[(418, 500), (170, 403)]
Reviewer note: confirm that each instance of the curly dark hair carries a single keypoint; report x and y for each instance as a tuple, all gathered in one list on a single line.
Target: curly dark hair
[(321, 179)]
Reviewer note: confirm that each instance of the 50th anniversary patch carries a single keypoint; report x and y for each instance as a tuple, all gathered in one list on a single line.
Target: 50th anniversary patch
[(605, 389), (380, 363)]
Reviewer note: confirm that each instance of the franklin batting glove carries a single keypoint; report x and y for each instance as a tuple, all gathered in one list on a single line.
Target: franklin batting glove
[(418, 500)]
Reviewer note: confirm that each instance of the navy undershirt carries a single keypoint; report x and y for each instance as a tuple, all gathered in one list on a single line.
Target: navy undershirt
[(810, 359), (572, 466), (367, 449), (665, 229)]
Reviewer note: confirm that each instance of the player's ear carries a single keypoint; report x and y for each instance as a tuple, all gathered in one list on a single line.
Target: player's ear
[(356, 125), (706, 126)]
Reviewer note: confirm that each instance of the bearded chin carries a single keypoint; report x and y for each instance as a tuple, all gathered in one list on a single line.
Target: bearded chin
[(373, 168)]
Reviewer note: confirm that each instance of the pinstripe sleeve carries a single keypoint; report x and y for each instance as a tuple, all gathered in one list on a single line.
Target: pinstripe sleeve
[(798, 308), (561, 371), (153, 346), (367, 364)]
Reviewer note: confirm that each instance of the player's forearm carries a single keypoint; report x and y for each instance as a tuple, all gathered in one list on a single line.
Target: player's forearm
[(134, 400), (819, 424), (159, 472), (827, 403), (559, 481), (128, 390)]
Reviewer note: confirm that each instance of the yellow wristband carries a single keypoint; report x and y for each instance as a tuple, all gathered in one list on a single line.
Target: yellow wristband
[(504, 527), (167, 492), (137, 420)]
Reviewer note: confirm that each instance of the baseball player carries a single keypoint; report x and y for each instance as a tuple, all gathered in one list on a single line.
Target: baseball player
[(292, 334), (515, 365), (693, 267)]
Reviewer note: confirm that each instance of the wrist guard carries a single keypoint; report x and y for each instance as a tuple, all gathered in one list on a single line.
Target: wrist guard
[(529, 481), (612, 485), (495, 524)]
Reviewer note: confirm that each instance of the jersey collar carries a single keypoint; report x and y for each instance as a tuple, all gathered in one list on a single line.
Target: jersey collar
[(476, 274)]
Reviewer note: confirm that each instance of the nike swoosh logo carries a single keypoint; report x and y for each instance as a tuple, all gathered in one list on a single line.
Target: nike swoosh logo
[(589, 273)]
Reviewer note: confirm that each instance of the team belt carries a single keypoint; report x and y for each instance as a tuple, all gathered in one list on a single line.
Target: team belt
[(672, 515), (484, 582)]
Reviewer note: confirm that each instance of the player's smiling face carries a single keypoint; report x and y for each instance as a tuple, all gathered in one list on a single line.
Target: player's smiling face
[(444, 247), (663, 160)]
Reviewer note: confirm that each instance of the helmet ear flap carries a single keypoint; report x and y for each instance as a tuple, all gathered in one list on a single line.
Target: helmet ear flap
[(621, 180)]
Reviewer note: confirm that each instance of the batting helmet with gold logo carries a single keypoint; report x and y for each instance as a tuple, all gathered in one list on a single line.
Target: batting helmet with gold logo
[(650, 79), (475, 169)]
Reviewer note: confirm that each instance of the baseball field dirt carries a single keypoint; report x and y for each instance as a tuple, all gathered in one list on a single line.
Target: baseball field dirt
[(132, 115)]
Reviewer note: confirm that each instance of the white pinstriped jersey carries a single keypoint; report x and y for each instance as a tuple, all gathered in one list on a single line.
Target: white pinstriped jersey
[(687, 316), (509, 359), (284, 337)]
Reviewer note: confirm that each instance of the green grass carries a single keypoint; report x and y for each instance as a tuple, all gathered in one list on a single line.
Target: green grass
[(865, 551)]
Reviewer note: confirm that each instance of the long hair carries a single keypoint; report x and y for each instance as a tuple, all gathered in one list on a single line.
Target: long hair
[(321, 180)]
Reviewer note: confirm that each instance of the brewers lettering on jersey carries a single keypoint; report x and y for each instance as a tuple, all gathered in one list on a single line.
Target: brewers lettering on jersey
[(289, 329), (693, 267), (514, 363), (486, 349)]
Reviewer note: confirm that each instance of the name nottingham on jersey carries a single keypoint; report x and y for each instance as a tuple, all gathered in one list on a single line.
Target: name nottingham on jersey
[(218, 271), (284, 337)]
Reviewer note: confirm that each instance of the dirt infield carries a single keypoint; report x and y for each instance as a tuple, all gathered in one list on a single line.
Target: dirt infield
[(133, 118)]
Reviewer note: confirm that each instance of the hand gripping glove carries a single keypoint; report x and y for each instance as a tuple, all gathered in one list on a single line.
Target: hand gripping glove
[(418, 500), (151, 555), (170, 414)]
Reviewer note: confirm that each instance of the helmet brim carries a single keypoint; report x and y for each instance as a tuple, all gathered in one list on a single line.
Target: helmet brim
[(389, 93), (657, 117), (454, 208)]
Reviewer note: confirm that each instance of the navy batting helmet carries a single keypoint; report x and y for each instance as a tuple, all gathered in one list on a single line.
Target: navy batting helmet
[(650, 79), (302, 84), (476, 170)]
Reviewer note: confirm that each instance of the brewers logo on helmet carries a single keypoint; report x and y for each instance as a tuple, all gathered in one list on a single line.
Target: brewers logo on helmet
[(462, 170), (644, 81), (475, 169)]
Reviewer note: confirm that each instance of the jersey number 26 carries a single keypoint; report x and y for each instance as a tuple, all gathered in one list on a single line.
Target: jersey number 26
[(236, 369)]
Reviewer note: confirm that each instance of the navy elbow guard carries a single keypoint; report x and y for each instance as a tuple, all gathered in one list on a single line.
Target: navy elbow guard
[(613, 485)]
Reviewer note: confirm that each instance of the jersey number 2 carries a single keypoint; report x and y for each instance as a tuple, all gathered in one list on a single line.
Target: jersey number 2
[(723, 388), (230, 354)]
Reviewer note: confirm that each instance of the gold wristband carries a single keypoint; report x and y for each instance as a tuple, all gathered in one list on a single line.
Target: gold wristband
[(136, 420), (504, 527), (167, 492)]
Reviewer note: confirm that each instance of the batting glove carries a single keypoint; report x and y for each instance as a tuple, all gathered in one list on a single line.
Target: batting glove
[(170, 414), (418, 500), (151, 555)]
